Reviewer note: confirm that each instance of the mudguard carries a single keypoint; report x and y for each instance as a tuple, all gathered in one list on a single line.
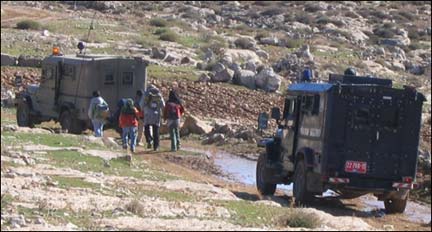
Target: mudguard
[(308, 156)]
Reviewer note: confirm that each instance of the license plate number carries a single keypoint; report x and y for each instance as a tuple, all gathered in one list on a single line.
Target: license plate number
[(355, 166)]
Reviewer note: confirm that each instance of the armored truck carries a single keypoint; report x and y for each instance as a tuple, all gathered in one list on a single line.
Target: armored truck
[(66, 87), (353, 135)]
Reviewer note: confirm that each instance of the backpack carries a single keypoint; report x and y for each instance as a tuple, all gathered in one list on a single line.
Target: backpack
[(101, 110), (173, 111), (128, 108)]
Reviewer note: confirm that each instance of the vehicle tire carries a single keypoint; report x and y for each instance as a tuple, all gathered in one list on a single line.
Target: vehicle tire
[(70, 124), (263, 187), (300, 192), (395, 205), (24, 119)]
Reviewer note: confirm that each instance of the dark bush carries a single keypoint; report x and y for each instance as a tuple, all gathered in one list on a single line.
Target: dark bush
[(169, 36), (272, 11), (383, 32), (28, 24), (312, 7), (262, 34), (306, 19), (243, 43), (294, 43), (408, 15), (323, 20), (158, 22)]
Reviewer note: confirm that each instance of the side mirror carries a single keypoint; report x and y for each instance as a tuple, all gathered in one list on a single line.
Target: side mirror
[(275, 113)]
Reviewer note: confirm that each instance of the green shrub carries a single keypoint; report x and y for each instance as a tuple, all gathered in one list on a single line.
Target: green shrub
[(148, 42), (28, 24), (160, 31), (158, 22), (299, 218), (262, 34), (169, 36), (294, 43)]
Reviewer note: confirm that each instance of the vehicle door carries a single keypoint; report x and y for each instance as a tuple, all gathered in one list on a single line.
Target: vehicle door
[(290, 118), (48, 88)]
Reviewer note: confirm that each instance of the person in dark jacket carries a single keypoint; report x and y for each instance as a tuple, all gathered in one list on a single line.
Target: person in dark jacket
[(173, 111)]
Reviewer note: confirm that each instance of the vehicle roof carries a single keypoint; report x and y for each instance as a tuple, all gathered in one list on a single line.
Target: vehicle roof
[(310, 87), (78, 57)]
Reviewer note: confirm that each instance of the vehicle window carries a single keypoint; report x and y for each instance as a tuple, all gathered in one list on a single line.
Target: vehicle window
[(69, 71), (316, 104), (127, 78), (47, 73), (109, 79), (307, 104), (361, 117), (390, 118)]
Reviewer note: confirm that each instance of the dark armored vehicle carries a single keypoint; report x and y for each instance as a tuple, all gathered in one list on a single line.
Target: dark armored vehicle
[(353, 135), (66, 87)]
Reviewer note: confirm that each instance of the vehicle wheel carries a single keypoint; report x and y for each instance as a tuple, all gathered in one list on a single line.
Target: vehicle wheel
[(300, 192), (263, 187), (23, 116), (70, 124), (395, 205)]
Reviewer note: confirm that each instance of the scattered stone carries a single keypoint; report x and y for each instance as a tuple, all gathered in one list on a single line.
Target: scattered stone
[(158, 53)]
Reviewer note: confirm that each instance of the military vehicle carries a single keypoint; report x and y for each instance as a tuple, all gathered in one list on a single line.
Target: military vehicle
[(353, 135), (67, 84)]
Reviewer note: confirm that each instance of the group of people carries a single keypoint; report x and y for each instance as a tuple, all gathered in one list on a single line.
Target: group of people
[(143, 114)]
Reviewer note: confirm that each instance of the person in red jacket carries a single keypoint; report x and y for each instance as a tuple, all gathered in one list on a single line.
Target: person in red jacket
[(173, 111), (128, 121)]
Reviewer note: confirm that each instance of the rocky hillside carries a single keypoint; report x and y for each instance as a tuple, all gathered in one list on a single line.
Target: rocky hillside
[(258, 45)]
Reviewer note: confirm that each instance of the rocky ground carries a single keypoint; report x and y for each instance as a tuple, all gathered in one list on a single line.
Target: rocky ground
[(229, 61), (68, 182)]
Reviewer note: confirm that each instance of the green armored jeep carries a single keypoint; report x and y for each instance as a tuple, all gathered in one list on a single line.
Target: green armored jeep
[(66, 87)]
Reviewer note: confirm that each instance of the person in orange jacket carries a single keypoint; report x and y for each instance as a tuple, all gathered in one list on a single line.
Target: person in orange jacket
[(128, 121)]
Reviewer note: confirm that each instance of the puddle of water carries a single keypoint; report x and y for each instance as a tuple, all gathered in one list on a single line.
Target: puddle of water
[(415, 212), (239, 169)]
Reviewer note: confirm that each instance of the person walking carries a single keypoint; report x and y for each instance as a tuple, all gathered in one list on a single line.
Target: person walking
[(97, 112), (139, 104), (153, 106), (128, 121), (172, 113)]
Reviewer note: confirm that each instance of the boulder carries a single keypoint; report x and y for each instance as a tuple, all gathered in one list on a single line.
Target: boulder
[(28, 61), (158, 53), (225, 75), (171, 58), (396, 41), (185, 60), (204, 78), (192, 125), (245, 78), (218, 67), (262, 54), (251, 66), (245, 43), (270, 41), (8, 60), (215, 138), (268, 80)]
